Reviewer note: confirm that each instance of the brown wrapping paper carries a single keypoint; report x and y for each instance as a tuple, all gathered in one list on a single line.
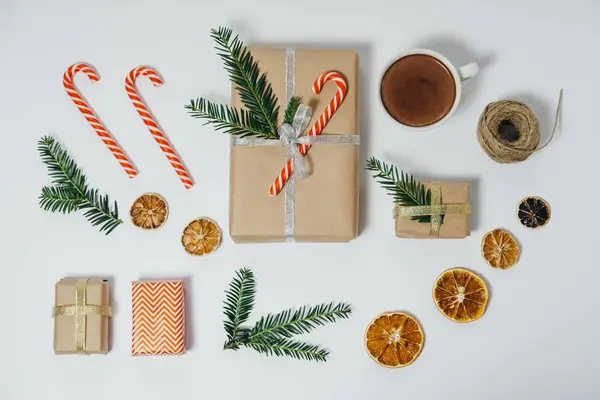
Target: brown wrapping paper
[(326, 203), (454, 226), (97, 326)]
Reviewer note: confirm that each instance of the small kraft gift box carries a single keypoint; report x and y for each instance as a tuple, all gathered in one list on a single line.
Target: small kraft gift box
[(320, 205), (447, 215), (81, 315), (157, 318), (424, 210)]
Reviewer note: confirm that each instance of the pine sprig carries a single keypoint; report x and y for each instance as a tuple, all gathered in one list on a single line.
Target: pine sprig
[(405, 190), (61, 199), (228, 119), (255, 90), (271, 334), (239, 301), (288, 322), (70, 191), (290, 110), (259, 117), (290, 348)]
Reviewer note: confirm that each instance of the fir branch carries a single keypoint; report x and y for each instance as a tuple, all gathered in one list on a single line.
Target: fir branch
[(70, 191), (255, 90), (288, 322), (290, 110), (239, 302), (290, 348), (61, 167), (236, 122), (271, 334), (61, 199), (405, 190)]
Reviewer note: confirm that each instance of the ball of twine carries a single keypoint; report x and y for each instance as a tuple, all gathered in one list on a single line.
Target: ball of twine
[(523, 119)]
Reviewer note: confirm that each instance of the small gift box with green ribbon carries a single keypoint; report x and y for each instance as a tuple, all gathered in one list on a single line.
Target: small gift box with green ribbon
[(427, 210)]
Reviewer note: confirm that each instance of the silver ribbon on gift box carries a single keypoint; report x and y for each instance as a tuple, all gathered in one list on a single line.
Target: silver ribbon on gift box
[(290, 136)]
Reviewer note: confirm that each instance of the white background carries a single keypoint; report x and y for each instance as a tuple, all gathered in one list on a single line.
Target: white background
[(539, 336)]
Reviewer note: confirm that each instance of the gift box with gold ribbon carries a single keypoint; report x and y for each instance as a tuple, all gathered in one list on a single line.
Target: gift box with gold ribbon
[(81, 313), (448, 214)]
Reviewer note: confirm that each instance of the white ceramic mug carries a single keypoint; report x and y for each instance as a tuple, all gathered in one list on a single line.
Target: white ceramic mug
[(458, 74)]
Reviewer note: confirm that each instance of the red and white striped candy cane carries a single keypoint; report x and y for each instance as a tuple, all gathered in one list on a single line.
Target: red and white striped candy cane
[(89, 115), (317, 128), (151, 123)]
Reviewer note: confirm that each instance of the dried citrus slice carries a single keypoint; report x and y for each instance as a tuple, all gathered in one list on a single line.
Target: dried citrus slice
[(394, 340), (533, 212), (460, 295), (149, 211), (201, 236), (499, 249)]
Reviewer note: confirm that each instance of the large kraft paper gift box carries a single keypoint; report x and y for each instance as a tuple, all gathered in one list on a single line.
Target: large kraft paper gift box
[(326, 202), (81, 316), (455, 225)]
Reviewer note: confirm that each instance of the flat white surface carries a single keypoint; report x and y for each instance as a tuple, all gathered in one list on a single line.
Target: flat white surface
[(539, 336)]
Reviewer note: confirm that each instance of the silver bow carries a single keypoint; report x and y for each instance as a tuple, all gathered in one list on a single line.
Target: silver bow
[(290, 136)]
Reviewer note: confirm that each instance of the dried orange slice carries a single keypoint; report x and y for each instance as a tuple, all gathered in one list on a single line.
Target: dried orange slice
[(499, 249), (394, 340), (149, 211), (533, 212), (202, 236), (460, 295)]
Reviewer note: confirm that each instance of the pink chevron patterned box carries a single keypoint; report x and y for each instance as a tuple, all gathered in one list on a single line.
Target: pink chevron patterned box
[(157, 318)]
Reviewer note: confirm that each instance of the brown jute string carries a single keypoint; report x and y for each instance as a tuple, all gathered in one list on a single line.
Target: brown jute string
[(523, 119)]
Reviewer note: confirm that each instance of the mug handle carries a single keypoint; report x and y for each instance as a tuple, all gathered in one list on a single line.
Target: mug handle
[(468, 71)]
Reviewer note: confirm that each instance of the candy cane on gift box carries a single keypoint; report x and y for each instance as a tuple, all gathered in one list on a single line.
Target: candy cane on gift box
[(317, 128), (89, 115), (151, 123)]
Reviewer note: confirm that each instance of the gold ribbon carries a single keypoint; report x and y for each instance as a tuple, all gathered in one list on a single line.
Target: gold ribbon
[(81, 310), (435, 210)]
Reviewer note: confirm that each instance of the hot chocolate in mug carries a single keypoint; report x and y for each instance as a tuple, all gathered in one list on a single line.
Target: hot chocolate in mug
[(422, 89)]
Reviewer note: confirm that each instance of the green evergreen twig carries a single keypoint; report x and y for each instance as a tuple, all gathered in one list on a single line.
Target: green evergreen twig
[(231, 120), (405, 190), (255, 90), (259, 118), (271, 334), (70, 191), (288, 322), (290, 110), (289, 348), (239, 302)]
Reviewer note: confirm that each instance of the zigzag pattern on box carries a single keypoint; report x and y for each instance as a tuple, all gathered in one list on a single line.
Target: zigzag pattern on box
[(158, 320)]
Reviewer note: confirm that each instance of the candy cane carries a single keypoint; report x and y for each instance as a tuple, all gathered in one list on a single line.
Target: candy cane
[(89, 115), (151, 123), (317, 128)]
